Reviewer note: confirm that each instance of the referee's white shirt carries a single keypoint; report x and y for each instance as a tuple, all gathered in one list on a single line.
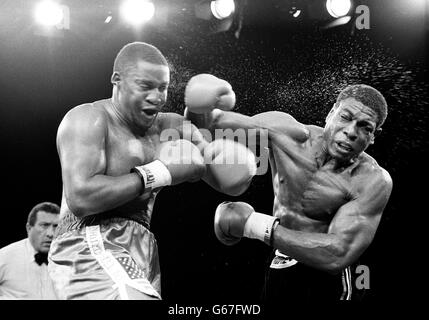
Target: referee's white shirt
[(21, 277)]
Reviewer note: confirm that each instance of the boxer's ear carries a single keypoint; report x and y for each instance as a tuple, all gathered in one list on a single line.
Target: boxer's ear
[(116, 78), (378, 132), (375, 135)]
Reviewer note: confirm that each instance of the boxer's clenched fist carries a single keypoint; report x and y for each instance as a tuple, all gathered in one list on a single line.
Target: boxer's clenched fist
[(183, 160), (231, 165), (178, 161), (234, 220), (204, 92)]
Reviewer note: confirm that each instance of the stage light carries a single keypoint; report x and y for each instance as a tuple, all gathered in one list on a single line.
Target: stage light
[(137, 12), (108, 18), (48, 13), (337, 22), (295, 12), (338, 8), (222, 9)]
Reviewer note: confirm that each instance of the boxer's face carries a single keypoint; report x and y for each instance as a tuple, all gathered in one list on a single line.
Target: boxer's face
[(350, 128), (143, 93), (41, 234)]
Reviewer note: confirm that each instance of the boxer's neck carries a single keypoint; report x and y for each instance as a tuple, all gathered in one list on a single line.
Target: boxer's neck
[(114, 106), (325, 159)]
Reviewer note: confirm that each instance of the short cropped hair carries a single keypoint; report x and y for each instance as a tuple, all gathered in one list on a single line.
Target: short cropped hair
[(368, 96), (132, 52), (44, 206)]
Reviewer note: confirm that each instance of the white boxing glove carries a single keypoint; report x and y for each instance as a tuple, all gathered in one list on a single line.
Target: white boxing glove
[(231, 164), (178, 161), (205, 92)]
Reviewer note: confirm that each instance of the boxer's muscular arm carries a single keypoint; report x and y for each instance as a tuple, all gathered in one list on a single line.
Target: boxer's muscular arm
[(350, 232), (281, 127), (277, 127), (81, 147)]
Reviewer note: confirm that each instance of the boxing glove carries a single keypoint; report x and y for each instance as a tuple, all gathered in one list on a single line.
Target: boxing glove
[(234, 220), (231, 165), (177, 161), (183, 160), (204, 92)]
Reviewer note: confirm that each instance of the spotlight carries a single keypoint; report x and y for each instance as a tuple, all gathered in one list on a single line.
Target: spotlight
[(108, 18), (137, 12), (218, 15), (337, 22), (295, 12), (222, 9), (338, 8), (48, 13)]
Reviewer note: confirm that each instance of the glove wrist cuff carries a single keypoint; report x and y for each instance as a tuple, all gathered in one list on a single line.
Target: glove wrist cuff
[(153, 175), (260, 226)]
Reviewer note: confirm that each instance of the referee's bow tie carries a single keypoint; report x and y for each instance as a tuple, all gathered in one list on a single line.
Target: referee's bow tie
[(41, 258)]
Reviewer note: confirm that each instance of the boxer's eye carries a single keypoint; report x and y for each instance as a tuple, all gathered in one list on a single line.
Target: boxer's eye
[(367, 127), (144, 85)]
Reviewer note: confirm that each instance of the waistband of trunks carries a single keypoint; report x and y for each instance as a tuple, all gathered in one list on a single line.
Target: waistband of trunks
[(281, 261), (70, 222)]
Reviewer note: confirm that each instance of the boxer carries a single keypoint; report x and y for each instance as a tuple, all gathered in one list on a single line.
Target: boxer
[(114, 162), (329, 195)]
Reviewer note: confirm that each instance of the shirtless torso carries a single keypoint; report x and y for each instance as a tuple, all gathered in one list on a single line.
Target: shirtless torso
[(115, 149), (328, 193)]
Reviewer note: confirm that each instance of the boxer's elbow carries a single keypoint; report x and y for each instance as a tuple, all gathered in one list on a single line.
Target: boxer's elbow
[(79, 202), (338, 259), (335, 268), (344, 252), (78, 207)]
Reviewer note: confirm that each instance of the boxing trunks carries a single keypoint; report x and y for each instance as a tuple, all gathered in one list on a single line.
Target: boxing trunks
[(289, 280), (96, 257)]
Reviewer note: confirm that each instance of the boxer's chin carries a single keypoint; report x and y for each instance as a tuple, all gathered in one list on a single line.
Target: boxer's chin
[(147, 120), (339, 154)]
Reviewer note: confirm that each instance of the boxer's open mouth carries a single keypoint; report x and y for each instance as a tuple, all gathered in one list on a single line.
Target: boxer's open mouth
[(344, 146), (150, 112)]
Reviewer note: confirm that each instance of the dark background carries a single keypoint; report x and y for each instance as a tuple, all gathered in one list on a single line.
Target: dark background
[(273, 62)]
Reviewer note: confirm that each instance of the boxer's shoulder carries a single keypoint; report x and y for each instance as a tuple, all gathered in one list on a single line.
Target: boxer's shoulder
[(371, 166), (88, 113), (86, 119), (368, 172), (314, 133)]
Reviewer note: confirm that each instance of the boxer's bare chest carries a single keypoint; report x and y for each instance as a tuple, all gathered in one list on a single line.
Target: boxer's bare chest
[(307, 194), (123, 150)]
